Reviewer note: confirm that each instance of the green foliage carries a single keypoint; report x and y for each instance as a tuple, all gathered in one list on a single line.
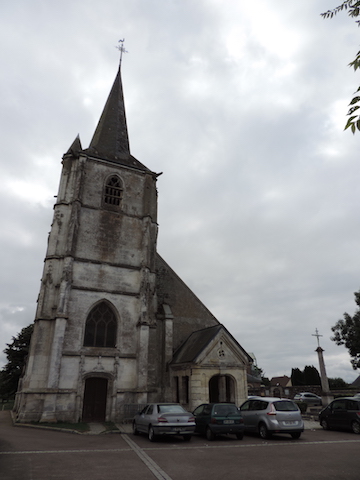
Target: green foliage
[(16, 353), (309, 376), (297, 377), (302, 406), (353, 10), (347, 332), (79, 427), (337, 382)]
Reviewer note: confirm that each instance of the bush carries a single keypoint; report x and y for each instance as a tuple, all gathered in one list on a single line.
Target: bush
[(302, 406)]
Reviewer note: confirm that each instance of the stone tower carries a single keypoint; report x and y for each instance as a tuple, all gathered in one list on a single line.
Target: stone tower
[(97, 299), (115, 326)]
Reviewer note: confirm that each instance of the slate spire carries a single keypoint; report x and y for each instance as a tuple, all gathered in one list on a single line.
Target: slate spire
[(111, 139)]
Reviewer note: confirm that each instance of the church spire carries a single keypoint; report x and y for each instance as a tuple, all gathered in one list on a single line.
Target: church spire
[(110, 140)]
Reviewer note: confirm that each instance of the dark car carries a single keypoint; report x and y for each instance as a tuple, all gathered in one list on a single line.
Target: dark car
[(218, 418), (268, 415), (164, 419), (342, 414)]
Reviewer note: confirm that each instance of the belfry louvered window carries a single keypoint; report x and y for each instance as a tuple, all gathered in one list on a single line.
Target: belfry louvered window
[(100, 329), (113, 191)]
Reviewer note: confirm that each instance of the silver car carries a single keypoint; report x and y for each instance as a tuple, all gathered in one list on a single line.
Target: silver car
[(268, 415), (309, 398), (164, 419)]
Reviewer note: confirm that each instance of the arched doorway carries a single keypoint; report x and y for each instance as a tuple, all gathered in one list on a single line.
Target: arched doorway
[(94, 405), (222, 389)]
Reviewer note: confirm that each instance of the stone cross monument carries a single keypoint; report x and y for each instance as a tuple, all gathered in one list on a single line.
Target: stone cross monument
[(326, 395)]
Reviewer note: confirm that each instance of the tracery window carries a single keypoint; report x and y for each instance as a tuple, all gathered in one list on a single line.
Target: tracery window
[(113, 191), (101, 326)]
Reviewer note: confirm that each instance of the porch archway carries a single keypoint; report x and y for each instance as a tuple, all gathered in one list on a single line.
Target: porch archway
[(222, 389)]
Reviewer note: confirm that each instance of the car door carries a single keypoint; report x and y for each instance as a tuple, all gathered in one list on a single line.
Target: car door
[(351, 413), (250, 411), (202, 417), (337, 418), (144, 420)]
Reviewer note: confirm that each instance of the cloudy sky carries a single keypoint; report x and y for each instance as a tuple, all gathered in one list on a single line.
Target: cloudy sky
[(242, 106)]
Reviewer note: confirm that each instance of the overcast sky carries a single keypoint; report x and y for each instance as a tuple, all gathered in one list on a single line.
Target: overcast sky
[(242, 106)]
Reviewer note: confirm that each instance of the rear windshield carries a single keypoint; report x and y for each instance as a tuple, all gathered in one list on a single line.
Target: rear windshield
[(285, 406), (171, 409), (224, 410)]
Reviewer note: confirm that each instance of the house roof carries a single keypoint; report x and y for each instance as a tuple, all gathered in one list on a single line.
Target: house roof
[(356, 383), (282, 381)]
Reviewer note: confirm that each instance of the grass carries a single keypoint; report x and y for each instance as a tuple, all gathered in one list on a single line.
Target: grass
[(79, 427), (7, 405), (110, 427)]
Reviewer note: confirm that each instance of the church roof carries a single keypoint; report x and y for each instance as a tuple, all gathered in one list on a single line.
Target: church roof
[(197, 342), (111, 140)]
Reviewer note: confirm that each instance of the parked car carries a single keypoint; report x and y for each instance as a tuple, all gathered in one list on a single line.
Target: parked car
[(164, 419), (309, 398), (268, 415), (342, 413), (218, 418)]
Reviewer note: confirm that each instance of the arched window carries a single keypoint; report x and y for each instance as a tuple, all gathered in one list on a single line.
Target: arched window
[(113, 191), (100, 329)]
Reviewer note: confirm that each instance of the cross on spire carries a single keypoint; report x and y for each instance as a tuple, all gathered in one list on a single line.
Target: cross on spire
[(316, 334), (121, 48)]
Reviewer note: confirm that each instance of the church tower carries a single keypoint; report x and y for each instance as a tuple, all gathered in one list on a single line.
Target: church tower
[(97, 302), (115, 326)]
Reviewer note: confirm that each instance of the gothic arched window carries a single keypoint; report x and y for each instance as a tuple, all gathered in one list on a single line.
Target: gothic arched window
[(100, 328), (113, 191)]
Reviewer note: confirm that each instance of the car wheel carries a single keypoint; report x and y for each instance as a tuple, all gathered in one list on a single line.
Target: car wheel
[(135, 430), (240, 436), (296, 435), (324, 424), (263, 431), (355, 427), (187, 438), (210, 435), (151, 434)]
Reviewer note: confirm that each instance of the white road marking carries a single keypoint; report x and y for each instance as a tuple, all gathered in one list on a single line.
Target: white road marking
[(136, 448), (149, 462)]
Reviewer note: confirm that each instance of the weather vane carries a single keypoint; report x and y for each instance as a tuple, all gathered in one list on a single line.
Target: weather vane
[(121, 48), (317, 336)]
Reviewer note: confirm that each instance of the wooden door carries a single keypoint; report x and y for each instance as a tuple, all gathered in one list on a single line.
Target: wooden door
[(94, 405)]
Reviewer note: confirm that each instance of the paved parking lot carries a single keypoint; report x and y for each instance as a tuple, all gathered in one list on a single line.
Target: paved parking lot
[(36, 454)]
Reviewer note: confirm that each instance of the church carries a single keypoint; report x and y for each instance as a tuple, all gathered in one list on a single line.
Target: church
[(115, 326)]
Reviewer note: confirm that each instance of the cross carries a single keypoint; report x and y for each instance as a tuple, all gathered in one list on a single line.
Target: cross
[(121, 48), (317, 335)]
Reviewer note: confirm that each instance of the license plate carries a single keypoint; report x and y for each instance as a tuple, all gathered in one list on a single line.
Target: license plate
[(177, 429), (228, 422), (290, 423)]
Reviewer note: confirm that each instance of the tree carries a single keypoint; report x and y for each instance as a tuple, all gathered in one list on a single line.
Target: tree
[(347, 332), (16, 353), (337, 382), (297, 377), (353, 9), (311, 375)]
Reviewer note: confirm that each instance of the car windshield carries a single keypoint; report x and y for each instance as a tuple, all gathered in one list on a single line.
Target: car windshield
[(224, 410), (285, 406), (171, 409)]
